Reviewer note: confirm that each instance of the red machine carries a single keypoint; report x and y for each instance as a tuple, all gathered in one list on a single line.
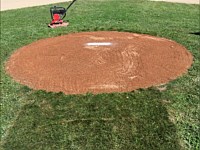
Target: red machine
[(57, 16)]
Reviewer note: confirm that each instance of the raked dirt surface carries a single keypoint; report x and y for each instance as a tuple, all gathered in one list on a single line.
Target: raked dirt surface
[(98, 62), (15, 4)]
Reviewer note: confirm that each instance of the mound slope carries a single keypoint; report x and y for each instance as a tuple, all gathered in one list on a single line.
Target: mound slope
[(98, 62)]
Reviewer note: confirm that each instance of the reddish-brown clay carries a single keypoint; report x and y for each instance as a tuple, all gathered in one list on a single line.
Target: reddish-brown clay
[(98, 62)]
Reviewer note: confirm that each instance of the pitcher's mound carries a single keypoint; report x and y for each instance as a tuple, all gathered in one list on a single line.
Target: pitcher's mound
[(98, 62)]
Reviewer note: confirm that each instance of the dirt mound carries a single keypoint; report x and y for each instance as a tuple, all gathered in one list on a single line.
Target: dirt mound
[(98, 62)]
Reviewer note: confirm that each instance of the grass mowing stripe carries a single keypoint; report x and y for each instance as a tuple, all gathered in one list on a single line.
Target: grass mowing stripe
[(178, 106)]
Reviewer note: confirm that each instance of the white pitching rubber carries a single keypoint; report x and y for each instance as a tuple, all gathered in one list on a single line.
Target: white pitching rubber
[(99, 44)]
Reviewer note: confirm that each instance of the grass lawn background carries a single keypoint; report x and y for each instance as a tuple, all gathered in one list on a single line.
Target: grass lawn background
[(142, 119)]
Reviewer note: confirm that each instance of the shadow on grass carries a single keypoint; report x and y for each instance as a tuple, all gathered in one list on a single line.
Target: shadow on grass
[(195, 33), (136, 120)]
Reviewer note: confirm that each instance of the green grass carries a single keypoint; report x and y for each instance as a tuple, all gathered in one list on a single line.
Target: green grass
[(142, 119)]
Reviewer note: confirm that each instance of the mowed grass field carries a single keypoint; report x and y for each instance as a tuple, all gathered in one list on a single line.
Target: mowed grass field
[(145, 119)]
